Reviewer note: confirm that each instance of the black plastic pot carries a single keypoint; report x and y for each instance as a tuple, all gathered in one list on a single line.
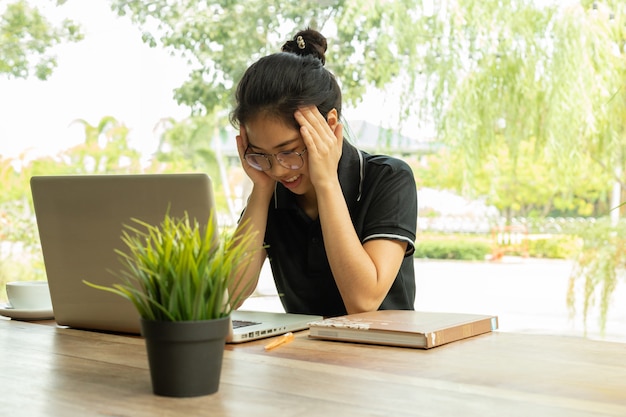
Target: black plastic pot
[(185, 357)]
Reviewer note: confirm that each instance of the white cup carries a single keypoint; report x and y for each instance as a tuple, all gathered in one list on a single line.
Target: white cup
[(29, 295)]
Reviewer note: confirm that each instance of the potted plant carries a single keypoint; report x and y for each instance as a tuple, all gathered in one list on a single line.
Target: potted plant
[(177, 275)]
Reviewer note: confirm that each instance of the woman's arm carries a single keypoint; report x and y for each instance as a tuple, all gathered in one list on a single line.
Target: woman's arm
[(363, 273), (253, 220)]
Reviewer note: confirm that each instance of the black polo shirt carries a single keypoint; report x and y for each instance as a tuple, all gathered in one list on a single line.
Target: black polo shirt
[(381, 196)]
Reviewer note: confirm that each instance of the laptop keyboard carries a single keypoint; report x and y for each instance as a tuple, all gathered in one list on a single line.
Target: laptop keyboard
[(243, 323)]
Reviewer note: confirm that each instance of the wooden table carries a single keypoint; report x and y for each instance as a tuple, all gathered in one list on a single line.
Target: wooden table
[(50, 371)]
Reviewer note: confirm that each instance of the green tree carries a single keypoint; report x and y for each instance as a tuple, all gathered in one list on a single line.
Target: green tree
[(487, 77), (105, 150), (27, 38), (187, 144), (600, 267), (518, 188), (195, 144), (520, 73), (369, 41), (547, 81), (221, 38), (516, 78)]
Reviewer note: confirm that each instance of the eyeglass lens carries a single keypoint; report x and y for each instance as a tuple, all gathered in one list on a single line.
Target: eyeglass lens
[(290, 160)]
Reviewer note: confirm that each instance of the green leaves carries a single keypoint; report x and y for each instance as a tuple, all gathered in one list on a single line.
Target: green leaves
[(489, 77), (370, 42), (520, 73), (600, 265), (26, 38), (180, 270)]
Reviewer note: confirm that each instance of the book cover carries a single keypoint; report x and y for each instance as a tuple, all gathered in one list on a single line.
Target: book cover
[(404, 328)]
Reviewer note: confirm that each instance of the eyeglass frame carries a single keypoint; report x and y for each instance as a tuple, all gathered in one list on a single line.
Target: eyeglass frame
[(269, 161)]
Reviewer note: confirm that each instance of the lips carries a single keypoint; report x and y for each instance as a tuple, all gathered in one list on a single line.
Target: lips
[(293, 182)]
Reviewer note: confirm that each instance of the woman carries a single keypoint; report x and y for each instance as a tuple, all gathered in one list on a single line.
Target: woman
[(338, 224)]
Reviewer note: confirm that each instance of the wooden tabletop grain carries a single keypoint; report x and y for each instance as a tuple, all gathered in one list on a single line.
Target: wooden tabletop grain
[(46, 370)]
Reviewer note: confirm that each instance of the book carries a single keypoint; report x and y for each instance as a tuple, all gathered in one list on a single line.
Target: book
[(405, 328)]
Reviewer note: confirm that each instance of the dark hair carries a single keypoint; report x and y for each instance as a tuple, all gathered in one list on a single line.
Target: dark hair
[(278, 84)]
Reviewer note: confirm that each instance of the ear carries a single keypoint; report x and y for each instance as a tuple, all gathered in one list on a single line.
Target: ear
[(332, 118)]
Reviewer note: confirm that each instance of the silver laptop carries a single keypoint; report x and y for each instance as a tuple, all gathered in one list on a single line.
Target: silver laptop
[(80, 220)]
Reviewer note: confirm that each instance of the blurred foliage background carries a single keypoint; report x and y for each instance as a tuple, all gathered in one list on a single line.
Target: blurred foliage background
[(526, 99)]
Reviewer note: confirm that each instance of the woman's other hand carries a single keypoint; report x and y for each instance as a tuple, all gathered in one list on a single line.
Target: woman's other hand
[(258, 178), (323, 138)]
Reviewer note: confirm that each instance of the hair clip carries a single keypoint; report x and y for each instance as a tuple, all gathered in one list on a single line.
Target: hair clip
[(300, 42)]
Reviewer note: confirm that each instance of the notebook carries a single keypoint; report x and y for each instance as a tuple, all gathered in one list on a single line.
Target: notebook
[(406, 328), (80, 220)]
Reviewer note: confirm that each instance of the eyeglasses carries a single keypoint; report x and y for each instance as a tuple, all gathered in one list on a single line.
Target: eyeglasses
[(287, 159)]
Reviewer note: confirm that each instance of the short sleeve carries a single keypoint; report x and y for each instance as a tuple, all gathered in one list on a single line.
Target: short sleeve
[(390, 196)]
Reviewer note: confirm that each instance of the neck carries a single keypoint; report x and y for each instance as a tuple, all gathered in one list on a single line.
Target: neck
[(308, 203)]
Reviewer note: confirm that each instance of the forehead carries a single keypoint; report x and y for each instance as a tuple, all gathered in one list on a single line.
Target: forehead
[(269, 133)]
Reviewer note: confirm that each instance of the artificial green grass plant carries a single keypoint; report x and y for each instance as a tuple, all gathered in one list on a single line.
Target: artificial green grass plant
[(180, 271)]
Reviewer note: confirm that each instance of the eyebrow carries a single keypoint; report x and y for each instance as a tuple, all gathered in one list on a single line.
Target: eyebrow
[(280, 145)]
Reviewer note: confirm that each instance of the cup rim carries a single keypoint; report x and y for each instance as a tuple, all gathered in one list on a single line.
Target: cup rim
[(27, 283)]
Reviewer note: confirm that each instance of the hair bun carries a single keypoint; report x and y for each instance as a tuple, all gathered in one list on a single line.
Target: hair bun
[(307, 42)]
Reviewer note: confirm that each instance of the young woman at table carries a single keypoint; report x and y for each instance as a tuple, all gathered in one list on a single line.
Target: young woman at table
[(338, 224)]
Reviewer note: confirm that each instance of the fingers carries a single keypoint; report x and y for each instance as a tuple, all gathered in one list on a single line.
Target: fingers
[(316, 130), (312, 119)]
